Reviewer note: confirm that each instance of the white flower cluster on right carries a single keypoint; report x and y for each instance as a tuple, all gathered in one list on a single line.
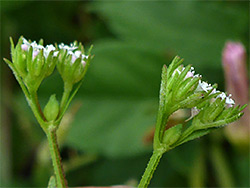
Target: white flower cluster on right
[(72, 50), (204, 86)]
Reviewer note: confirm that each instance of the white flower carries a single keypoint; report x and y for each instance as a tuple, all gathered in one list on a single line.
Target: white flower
[(36, 46), (75, 54), (229, 102), (48, 49), (203, 86), (72, 47), (190, 73)]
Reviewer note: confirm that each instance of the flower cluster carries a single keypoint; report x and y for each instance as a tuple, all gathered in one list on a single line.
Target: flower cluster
[(74, 52), (71, 62), (205, 87), (33, 61), (71, 49), (182, 88), (37, 48)]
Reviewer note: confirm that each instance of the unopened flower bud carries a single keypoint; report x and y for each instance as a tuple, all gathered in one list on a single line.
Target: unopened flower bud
[(172, 134), (71, 63), (51, 109)]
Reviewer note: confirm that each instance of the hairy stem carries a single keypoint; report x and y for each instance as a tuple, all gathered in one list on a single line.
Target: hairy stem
[(56, 159), (36, 103), (65, 97), (151, 167)]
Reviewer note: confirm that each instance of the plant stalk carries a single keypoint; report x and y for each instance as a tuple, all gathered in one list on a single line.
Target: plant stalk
[(56, 159), (151, 167), (66, 94)]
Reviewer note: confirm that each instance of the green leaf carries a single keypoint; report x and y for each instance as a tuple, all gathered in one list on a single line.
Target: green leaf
[(170, 27), (119, 98), (113, 127)]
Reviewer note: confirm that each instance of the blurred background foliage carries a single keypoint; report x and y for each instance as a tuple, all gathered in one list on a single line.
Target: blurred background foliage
[(106, 136)]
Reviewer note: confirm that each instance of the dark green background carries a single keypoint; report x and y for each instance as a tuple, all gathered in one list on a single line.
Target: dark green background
[(132, 40)]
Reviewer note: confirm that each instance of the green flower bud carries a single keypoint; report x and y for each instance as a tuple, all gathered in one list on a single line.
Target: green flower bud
[(71, 63), (51, 109), (33, 62), (172, 134)]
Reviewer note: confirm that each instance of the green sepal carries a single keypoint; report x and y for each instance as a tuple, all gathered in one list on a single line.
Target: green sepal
[(187, 85), (51, 109), (223, 122), (20, 59), (172, 80), (190, 102), (172, 134), (81, 48), (40, 42), (181, 77), (12, 50), (89, 50), (173, 65), (38, 64), (78, 69), (206, 99), (68, 67), (30, 59), (61, 61), (194, 135), (50, 64), (217, 110)]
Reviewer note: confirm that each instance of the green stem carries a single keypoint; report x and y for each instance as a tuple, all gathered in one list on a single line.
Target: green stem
[(161, 123), (65, 97), (151, 167), (36, 103), (56, 159)]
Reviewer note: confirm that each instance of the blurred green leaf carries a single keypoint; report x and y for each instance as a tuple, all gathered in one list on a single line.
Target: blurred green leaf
[(196, 31), (120, 97), (120, 92)]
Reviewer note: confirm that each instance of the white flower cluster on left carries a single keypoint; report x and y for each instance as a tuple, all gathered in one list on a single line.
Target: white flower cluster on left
[(71, 50), (37, 48)]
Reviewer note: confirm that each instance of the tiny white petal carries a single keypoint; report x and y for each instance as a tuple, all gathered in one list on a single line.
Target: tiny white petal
[(55, 53), (78, 53), (25, 47), (203, 86)]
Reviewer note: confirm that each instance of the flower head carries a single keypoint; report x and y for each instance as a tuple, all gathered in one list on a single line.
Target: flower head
[(37, 48), (74, 52), (203, 86)]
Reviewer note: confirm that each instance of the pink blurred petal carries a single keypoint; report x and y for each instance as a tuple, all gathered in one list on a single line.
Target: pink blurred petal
[(236, 78)]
